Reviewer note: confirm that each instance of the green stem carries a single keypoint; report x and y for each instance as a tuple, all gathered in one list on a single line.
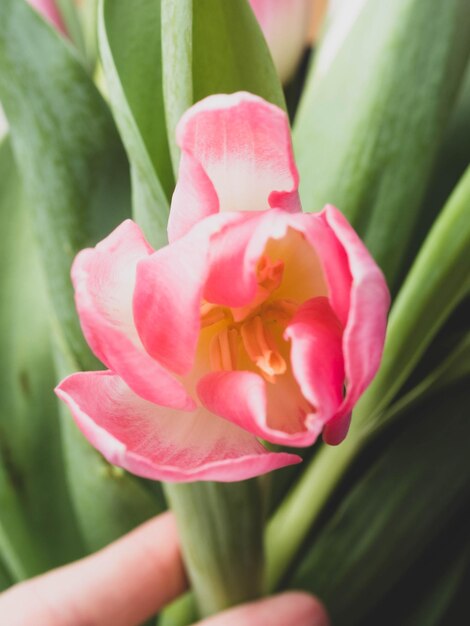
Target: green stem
[(221, 531), (293, 519)]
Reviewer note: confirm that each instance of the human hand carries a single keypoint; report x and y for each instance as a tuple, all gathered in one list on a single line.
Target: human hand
[(127, 582)]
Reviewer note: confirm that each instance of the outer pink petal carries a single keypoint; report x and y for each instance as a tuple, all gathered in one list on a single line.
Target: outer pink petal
[(48, 9), (364, 335), (159, 443), (241, 398), (316, 356), (104, 279), (194, 198), (243, 145)]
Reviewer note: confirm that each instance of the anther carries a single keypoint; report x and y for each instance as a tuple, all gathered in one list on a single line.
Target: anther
[(261, 349), (211, 314), (223, 350)]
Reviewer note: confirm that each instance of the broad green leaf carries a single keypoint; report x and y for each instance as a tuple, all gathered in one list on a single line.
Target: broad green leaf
[(372, 115), (438, 280), (177, 60), (30, 447), (212, 47), (384, 523), (69, 154), (76, 180), (5, 579), (129, 36)]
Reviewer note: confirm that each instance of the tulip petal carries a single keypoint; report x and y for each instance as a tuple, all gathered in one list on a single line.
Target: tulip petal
[(364, 334), (161, 443), (170, 286), (243, 145), (104, 279), (242, 398), (316, 356)]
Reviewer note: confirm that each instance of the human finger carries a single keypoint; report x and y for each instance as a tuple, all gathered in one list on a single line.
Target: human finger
[(285, 609), (121, 585)]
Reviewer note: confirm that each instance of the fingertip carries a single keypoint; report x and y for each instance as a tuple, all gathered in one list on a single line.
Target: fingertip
[(290, 607), (307, 609)]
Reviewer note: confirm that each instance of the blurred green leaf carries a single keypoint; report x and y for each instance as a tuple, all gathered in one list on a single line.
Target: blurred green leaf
[(69, 154), (129, 36), (438, 280), (76, 180), (30, 447), (373, 112), (212, 47), (386, 520), (5, 580)]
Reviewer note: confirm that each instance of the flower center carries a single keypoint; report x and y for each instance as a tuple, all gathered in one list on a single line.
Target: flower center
[(247, 330)]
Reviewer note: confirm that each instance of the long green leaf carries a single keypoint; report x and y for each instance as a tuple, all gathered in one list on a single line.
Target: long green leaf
[(77, 183), (30, 448), (436, 283), (212, 46), (372, 115), (129, 37), (388, 518), (69, 154)]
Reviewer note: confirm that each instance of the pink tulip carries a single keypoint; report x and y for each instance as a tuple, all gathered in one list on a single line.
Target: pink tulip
[(257, 321), (285, 25), (48, 9)]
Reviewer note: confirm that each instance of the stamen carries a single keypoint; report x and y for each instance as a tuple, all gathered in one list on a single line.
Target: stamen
[(281, 311), (223, 350), (261, 349), (211, 314)]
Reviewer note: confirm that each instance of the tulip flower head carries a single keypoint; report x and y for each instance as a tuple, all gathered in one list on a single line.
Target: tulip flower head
[(257, 322), (49, 10), (285, 25)]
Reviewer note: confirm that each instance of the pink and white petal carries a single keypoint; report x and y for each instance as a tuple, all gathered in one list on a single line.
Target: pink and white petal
[(364, 334), (161, 443), (333, 259), (235, 252), (317, 356), (194, 198), (104, 280), (241, 397), (243, 144)]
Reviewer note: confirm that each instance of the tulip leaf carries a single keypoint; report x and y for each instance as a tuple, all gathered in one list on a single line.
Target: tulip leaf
[(69, 154), (129, 37), (76, 181), (437, 282), (212, 47), (372, 115), (30, 447), (383, 524), (177, 57), (5, 580)]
